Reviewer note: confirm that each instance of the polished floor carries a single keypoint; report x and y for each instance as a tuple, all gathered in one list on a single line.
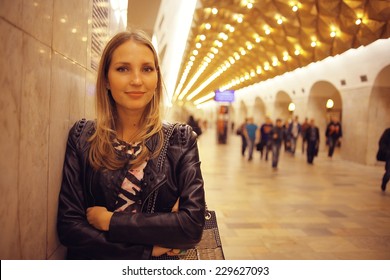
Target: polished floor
[(332, 210)]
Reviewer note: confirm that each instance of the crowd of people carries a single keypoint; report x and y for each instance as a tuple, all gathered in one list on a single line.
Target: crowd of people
[(270, 137)]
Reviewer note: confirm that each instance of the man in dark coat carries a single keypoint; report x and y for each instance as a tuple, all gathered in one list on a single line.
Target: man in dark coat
[(384, 155), (312, 136), (333, 134)]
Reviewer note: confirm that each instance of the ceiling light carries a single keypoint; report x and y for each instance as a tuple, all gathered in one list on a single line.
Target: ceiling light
[(207, 26), (358, 21), (313, 44), (202, 37), (329, 104), (285, 56), (295, 8), (204, 98), (214, 11), (239, 19), (198, 45), (333, 34), (249, 6)]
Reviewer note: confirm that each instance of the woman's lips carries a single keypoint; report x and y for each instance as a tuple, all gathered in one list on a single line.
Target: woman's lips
[(135, 93)]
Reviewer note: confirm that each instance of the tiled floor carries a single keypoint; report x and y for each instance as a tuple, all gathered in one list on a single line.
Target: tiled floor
[(333, 209)]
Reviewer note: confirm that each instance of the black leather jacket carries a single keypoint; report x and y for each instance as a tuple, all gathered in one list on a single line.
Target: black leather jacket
[(131, 236)]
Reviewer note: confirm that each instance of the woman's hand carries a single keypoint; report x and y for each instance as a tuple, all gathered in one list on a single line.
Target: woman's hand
[(99, 217), (158, 251)]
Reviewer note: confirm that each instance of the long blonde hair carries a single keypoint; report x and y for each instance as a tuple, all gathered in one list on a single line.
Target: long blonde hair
[(102, 153)]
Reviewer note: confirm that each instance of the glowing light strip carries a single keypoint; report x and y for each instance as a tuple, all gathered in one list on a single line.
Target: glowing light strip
[(204, 98), (192, 82), (202, 86)]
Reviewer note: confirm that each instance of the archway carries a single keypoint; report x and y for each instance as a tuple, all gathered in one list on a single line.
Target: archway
[(282, 100), (378, 112), (259, 111), (319, 94), (242, 113)]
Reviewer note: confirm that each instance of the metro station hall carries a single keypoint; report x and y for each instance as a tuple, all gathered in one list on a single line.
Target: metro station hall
[(244, 74)]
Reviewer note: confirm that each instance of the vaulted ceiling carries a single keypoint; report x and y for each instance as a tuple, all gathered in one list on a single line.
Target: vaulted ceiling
[(237, 43)]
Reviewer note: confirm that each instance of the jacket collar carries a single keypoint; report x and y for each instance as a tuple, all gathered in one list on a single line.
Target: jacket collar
[(152, 142)]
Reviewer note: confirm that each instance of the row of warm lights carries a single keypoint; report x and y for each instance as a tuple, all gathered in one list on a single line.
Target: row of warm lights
[(275, 61), (222, 68), (231, 60), (267, 30)]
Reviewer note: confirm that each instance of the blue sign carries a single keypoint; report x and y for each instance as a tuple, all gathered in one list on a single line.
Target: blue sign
[(224, 96)]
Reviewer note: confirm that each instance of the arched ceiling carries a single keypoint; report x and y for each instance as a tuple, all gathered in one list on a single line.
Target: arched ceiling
[(237, 43)]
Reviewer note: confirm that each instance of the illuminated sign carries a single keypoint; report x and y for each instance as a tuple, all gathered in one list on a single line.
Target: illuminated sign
[(224, 96)]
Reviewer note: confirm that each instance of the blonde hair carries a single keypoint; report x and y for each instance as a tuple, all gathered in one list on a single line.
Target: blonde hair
[(102, 154)]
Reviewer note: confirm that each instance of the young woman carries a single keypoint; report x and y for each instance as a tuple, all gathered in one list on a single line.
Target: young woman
[(114, 201)]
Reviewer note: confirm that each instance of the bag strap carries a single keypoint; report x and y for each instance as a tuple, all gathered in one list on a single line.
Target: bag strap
[(163, 153), (160, 163)]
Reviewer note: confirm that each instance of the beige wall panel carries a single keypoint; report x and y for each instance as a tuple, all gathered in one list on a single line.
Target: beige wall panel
[(70, 29), (10, 81), (37, 19), (33, 166), (12, 10)]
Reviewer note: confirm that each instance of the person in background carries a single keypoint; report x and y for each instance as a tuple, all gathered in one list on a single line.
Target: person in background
[(240, 132), (286, 137), (277, 139), (304, 126), (294, 130), (195, 125), (333, 135), (114, 202), (384, 155), (312, 137), (265, 135), (250, 133)]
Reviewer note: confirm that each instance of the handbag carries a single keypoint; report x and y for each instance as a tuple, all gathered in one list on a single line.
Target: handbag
[(210, 246), (381, 155)]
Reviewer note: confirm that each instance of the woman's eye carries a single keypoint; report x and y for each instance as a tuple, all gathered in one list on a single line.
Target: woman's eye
[(148, 69), (122, 69)]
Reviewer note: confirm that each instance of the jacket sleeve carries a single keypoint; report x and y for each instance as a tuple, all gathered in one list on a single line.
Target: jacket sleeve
[(82, 240), (384, 143), (182, 229)]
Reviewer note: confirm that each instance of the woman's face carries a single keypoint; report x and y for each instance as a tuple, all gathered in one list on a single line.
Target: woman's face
[(132, 77)]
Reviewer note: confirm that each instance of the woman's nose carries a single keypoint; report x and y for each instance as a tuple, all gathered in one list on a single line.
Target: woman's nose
[(135, 78)]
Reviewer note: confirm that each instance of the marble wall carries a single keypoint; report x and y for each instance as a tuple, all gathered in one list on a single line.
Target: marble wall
[(47, 85)]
